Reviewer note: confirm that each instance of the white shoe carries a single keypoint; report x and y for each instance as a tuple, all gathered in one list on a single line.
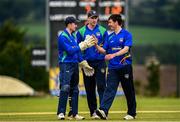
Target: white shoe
[(101, 114), (78, 117), (95, 116), (61, 116), (129, 117)]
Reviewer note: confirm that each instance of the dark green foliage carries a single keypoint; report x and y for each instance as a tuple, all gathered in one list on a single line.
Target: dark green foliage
[(162, 13), (174, 15), (22, 10), (15, 58), (153, 86), (10, 33)]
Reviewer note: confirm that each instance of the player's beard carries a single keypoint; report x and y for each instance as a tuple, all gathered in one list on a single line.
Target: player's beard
[(93, 24)]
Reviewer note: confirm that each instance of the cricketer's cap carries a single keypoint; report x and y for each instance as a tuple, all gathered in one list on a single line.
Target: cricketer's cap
[(71, 19), (92, 13)]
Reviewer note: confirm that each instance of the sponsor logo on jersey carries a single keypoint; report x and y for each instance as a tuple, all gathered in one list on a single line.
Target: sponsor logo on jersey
[(121, 39), (116, 48)]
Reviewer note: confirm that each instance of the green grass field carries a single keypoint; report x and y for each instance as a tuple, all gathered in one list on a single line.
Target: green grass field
[(151, 35), (35, 29), (44, 109), (142, 35)]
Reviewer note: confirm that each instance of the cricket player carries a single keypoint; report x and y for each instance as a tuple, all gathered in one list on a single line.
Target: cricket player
[(117, 50), (69, 57), (95, 60)]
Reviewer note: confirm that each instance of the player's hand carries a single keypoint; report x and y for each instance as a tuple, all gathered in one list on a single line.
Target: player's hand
[(96, 40), (109, 57), (88, 70)]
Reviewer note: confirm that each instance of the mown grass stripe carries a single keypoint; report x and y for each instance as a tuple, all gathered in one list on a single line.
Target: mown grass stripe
[(82, 112)]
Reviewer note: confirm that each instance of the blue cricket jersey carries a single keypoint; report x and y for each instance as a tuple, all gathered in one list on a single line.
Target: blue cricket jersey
[(91, 54), (68, 48), (114, 44)]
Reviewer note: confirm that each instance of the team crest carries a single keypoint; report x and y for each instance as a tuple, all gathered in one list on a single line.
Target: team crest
[(98, 33), (121, 39)]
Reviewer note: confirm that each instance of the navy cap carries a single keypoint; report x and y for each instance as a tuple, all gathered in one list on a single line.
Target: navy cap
[(92, 13), (70, 19)]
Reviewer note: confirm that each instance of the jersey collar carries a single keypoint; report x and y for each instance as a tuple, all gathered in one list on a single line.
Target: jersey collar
[(122, 30)]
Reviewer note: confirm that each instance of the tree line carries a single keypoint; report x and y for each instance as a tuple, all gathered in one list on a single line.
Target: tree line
[(15, 58), (22, 10), (162, 13)]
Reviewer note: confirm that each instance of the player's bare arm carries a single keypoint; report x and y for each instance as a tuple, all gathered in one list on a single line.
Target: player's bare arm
[(99, 48), (120, 52)]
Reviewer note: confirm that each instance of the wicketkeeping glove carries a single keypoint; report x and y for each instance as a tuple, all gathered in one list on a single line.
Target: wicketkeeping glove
[(88, 42), (88, 70)]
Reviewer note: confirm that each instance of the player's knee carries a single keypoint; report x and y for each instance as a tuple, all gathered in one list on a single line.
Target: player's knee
[(65, 88), (76, 90)]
